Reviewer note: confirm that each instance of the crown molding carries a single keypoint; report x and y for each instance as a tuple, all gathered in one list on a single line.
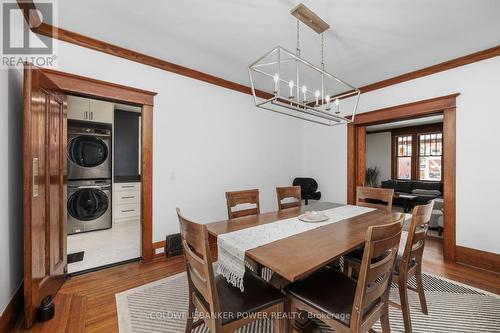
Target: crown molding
[(444, 66)]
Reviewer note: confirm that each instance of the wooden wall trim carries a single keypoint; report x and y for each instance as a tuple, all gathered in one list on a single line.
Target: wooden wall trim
[(486, 260), (406, 111), (444, 66), (13, 312), (118, 51), (31, 15)]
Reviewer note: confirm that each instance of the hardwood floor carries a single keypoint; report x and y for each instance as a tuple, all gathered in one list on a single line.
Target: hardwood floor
[(86, 303)]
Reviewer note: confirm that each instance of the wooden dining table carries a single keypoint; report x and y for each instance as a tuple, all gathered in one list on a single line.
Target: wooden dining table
[(297, 256)]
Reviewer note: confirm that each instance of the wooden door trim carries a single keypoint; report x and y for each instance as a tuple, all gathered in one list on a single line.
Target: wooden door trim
[(86, 86), (356, 170), (81, 85)]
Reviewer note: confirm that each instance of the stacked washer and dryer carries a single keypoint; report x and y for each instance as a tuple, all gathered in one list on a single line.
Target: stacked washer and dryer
[(89, 177)]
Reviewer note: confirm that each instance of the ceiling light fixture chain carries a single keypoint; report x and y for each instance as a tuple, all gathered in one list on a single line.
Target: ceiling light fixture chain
[(297, 50), (322, 51)]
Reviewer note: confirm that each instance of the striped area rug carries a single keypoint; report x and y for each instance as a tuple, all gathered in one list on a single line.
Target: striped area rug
[(161, 306)]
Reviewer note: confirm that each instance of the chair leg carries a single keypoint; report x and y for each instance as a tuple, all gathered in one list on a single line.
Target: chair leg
[(403, 295), (420, 288), (347, 268), (384, 320), (189, 322), (291, 314), (279, 320)]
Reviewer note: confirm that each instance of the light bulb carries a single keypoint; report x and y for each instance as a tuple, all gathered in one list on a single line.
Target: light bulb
[(316, 93), (290, 84), (304, 89), (337, 105), (327, 100), (276, 78)]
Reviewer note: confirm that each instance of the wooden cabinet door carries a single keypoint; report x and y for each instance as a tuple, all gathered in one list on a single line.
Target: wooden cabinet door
[(44, 190)]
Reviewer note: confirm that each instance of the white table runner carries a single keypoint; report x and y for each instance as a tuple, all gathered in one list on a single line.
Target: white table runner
[(232, 246)]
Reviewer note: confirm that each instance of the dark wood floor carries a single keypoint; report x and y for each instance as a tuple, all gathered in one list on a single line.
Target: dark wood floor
[(86, 303)]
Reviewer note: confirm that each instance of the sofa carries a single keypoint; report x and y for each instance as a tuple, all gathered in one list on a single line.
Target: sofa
[(424, 190)]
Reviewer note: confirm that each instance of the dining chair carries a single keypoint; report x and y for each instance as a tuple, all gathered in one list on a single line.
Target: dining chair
[(286, 193), (408, 262), (223, 307), (370, 197), (343, 303), (235, 198)]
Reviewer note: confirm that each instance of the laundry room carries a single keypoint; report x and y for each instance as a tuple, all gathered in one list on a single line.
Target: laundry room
[(103, 184)]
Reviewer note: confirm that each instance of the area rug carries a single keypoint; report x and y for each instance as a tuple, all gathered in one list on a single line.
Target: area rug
[(161, 306)]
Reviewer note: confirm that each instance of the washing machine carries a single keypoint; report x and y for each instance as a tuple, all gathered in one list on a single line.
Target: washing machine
[(89, 205), (89, 151)]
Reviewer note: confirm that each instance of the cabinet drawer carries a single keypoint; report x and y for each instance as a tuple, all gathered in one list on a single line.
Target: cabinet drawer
[(126, 197), (127, 186), (127, 211)]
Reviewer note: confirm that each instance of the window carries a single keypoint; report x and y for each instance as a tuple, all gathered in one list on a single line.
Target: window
[(403, 167), (430, 156), (418, 153)]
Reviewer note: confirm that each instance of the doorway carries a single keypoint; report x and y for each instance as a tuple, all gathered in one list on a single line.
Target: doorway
[(45, 177), (356, 159)]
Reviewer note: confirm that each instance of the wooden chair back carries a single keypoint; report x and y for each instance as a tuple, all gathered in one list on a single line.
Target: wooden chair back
[(375, 276), (289, 192), (370, 193), (198, 262), (414, 248), (235, 198)]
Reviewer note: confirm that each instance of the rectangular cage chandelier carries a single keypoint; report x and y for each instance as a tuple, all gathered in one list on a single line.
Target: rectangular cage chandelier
[(284, 82)]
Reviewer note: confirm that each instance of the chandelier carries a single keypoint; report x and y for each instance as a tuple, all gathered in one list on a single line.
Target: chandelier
[(284, 82)]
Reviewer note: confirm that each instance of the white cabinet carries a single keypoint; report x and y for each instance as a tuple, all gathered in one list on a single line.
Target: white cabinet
[(126, 201), (92, 110), (101, 112), (78, 108)]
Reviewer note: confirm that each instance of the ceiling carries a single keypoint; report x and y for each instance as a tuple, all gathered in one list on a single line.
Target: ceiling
[(368, 41), (405, 123)]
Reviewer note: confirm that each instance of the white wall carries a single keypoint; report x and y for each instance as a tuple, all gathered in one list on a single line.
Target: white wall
[(11, 244), (478, 157), (378, 153)]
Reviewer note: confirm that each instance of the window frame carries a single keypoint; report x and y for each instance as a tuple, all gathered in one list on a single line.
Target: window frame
[(419, 156), (414, 132), (397, 157)]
